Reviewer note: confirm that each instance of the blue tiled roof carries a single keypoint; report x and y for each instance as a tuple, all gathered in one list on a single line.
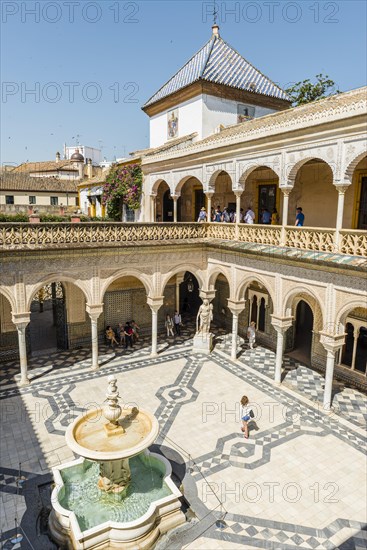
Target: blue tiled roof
[(219, 63)]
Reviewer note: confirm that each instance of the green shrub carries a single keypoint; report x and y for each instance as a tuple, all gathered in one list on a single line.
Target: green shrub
[(13, 218)]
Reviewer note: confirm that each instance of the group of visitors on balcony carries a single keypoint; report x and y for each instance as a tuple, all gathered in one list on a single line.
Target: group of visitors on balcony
[(229, 216)]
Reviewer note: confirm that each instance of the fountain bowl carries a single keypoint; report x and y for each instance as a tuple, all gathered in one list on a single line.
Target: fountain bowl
[(162, 516), (89, 437)]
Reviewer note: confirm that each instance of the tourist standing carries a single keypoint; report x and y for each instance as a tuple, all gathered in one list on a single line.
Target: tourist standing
[(177, 322), (225, 216), (128, 331), (266, 216), (275, 217), (202, 215), (169, 325), (121, 333), (217, 215), (300, 218), (251, 334), (246, 414), (135, 327), (249, 216)]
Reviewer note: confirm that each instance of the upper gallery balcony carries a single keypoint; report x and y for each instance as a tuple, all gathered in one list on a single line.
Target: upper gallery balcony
[(323, 243)]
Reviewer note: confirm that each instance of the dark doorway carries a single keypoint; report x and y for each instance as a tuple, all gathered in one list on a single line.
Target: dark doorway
[(167, 207), (361, 354), (48, 326), (189, 295), (267, 198), (303, 332), (199, 202), (362, 210), (348, 346)]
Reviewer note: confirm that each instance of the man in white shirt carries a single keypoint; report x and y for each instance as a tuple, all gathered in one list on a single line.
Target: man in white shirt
[(177, 322), (249, 216)]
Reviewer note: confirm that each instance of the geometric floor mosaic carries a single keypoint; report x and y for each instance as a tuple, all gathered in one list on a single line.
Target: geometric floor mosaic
[(297, 482)]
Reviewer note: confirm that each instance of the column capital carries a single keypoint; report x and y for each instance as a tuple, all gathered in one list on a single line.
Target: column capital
[(332, 342), (20, 319), (281, 324), (236, 307), (175, 196), (155, 302), (342, 186), (207, 294), (94, 310), (286, 189), (209, 193), (153, 194), (238, 192)]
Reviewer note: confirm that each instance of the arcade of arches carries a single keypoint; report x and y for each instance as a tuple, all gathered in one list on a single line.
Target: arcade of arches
[(289, 312), (313, 185)]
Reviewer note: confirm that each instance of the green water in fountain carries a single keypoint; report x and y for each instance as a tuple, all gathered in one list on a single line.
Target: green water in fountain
[(93, 506)]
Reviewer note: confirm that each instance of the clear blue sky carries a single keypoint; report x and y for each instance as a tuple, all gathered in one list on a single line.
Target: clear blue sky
[(115, 43)]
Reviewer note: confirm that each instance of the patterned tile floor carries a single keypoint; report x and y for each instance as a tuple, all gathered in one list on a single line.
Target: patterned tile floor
[(297, 482)]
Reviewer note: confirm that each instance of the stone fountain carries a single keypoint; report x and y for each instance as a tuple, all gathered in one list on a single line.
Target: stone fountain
[(118, 494)]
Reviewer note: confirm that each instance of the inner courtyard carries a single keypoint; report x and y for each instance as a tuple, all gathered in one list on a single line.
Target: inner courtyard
[(183, 330)]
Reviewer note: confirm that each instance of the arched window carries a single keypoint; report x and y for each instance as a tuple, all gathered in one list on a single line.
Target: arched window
[(261, 325), (253, 316), (355, 348)]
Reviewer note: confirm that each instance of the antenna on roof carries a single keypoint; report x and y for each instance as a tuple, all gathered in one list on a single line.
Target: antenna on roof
[(215, 27)]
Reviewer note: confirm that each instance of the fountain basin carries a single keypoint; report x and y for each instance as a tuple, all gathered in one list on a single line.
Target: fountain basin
[(87, 436), (74, 532)]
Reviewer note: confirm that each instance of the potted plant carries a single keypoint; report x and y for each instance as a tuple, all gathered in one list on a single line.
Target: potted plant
[(75, 217), (34, 217)]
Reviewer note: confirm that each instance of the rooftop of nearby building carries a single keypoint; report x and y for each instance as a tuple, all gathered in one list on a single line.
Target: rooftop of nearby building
[(46, 166), (217, 62), (10, 181)]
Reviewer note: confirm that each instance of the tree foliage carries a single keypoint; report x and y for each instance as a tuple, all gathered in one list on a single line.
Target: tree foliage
[(123, 186), (307, 91)]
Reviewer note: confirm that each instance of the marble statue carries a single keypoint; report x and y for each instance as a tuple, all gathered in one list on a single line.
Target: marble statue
[(204, 317)]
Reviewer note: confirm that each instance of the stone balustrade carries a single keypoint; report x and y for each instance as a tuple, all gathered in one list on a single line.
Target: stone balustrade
[(21, 236)]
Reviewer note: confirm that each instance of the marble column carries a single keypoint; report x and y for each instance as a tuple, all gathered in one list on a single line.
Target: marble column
[(21, 321), (152, 208), (281, 325), (94, 311), (329, 373), (341, 188), (238, 194), (235, 308), (155, 304), (175, 199), (332, 343), (21, 328), (209, 195), (355, 343), (238, 204), (285, 190), (279, 356)]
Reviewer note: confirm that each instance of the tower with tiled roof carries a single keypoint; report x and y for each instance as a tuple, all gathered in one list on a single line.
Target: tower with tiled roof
[(216, 88)]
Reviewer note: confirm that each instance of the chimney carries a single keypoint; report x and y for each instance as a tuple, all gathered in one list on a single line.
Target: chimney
[(57, 157), (89, 169)]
